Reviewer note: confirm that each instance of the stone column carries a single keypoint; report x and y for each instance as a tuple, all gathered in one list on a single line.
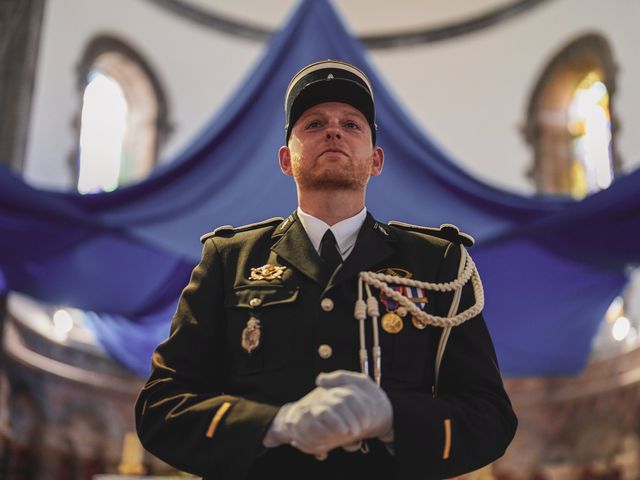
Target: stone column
[(20, 25), (5, 392)]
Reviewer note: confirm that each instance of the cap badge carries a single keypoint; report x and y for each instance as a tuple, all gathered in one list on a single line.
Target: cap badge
[(267, 272), (251, 335), (330, 76)]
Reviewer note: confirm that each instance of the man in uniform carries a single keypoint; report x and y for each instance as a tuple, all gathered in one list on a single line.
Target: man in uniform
[(261, 375)]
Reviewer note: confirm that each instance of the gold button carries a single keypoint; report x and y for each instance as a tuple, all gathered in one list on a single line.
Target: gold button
[(325, 351), (326, 304), (255, 302)]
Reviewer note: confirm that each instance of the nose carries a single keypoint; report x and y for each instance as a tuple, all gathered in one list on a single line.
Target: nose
[(333, 132)]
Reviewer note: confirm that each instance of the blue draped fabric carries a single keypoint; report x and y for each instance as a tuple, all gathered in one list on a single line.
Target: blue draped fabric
[(550, 266)]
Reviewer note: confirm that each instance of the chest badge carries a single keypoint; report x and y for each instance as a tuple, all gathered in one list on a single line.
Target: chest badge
[(251, 335), (396, 272), (418, 323), (267, 272), (392, 322)]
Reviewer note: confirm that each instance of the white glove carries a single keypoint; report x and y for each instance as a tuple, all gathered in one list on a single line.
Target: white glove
[(368, 401), (320, 421), (345, 407)]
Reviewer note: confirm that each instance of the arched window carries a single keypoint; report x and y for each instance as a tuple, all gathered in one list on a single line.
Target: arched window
[(590, 129), (571, 128), (123, 120), (569, 121)]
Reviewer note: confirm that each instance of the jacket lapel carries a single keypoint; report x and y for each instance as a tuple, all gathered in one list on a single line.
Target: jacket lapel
[(375, 242), (296, 248)]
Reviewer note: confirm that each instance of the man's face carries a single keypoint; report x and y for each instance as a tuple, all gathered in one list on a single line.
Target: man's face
[(330, 149)]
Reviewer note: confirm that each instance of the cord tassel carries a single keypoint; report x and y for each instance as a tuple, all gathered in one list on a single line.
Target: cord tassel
[(360, 314)]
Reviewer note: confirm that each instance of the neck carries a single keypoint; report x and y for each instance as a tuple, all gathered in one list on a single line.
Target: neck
[(331, 206)]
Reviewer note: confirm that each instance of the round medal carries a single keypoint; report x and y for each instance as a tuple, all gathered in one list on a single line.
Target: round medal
[(391, 323), (419, 324)]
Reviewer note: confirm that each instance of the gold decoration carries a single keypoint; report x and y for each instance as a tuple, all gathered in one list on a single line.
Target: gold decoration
[(267, 272), (251, 335), (396, 272), (419, 324), (392, 323)]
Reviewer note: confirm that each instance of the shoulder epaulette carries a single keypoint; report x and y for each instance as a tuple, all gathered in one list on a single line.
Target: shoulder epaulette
[(230, 229), (446, 231)]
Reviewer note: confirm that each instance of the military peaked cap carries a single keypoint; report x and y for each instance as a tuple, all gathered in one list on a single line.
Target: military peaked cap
[(329, 81)]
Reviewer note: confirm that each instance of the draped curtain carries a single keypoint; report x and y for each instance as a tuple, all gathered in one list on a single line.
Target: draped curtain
[(550, 267)]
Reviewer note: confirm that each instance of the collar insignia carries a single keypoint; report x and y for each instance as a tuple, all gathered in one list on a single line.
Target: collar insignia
[(383, 230), (284, 224)]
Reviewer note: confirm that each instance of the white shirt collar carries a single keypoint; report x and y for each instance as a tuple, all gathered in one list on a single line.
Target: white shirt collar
[(345, 231)]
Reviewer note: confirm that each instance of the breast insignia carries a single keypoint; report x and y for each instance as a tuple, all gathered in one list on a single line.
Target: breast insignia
[(251, 335), (418, 323), (392, 323), (396, 272), (267, 272)]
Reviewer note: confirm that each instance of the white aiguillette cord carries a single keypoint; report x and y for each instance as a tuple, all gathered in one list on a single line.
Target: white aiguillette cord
[(466, 271), (362, 309)]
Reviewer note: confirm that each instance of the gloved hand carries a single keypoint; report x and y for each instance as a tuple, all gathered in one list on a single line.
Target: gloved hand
[(320, 421), (368, 401), (345, 408)]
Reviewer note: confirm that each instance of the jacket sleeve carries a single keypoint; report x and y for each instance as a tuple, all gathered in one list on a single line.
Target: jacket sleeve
[(471, 422), (182, 414)]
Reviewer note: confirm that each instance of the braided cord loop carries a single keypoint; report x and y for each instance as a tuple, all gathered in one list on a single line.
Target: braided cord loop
[(470, 272)]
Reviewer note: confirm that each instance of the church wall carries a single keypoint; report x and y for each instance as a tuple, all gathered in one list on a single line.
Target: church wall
[(199, 69), (470, 93)]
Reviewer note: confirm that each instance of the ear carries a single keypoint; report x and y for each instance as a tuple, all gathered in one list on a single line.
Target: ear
[(378, 161), (284, 158)]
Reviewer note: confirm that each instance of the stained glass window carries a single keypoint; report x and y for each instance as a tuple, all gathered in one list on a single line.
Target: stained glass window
[(590, 127)]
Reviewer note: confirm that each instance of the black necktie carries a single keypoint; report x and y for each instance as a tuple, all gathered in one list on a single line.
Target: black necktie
[(329, 252)]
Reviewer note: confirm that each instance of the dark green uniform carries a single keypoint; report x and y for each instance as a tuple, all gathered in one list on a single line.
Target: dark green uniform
[(209, 402)]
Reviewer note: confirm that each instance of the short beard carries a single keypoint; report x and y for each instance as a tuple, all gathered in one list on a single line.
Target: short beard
[(330, 181)]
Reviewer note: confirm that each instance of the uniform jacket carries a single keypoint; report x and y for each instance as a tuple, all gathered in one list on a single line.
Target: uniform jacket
[(208, 402)]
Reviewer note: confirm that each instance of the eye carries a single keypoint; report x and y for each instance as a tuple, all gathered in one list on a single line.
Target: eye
[(313, 124), (351, 125)]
